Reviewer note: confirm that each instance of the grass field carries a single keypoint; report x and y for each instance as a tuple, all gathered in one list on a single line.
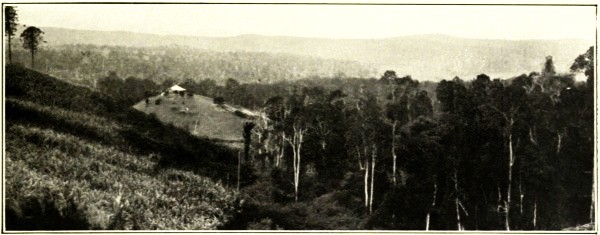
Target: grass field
[(199, 115), (77, 160)]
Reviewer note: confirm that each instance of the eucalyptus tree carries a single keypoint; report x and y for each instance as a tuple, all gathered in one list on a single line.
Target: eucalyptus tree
[(364, 138), (585, 63), (10, 27), (32, 37), (276, 111), (456, 108), (399, 109), (296, 126)]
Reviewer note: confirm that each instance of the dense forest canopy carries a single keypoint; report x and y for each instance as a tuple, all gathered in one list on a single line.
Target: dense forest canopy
[(425, 57), (84, 64), (480, 154)]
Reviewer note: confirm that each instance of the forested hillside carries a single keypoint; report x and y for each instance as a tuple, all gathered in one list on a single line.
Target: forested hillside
[(387, 153), (77, 159), (84, 64), (424, 57)]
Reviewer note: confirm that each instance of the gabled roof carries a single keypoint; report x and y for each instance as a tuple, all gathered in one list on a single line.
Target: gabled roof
[(176, 88)]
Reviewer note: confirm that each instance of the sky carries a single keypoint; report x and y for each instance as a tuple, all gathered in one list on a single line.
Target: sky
[(323, 21)]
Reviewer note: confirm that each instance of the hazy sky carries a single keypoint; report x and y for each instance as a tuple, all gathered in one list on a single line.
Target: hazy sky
[(326, 21)]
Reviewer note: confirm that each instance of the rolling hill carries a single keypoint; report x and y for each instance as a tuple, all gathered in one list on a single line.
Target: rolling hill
[(76, 159), (425, 57), (199, 115)]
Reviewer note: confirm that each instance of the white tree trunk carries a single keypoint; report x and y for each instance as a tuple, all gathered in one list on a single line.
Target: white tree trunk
[(521, 195), (360, 165), (456, 202), (281, 150), (394, 151), (296, 143), (558, 144), (366, 183), (373, 155), (300, 140), (511, 161), (432, 205), (593, 195)]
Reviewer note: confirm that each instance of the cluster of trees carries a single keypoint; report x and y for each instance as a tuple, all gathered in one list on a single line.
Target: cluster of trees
[(129, 91), (31, 37), (484, 154)]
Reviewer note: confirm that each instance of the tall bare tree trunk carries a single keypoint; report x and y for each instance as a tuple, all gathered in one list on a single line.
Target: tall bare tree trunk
[(295, 167), (32, 56), (510, 166), (281, 150), (394, 151), (296, 143), (521, 195), (366, 182), (360, 165), (432, 204), (373, 155), (298, 163), (558, 143), (456, 202)]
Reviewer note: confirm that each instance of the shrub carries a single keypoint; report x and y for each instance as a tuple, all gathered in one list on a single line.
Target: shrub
[(158, 101), (219, 100)]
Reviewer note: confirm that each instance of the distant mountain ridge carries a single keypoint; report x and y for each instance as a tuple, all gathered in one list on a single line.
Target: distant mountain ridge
[(424, 57)]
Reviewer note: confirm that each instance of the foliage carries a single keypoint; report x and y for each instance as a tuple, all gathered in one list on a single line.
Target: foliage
[(10, 20), (484, 154), (585, 63), (218, 100), (32, 37), (10, 27), (128, 91), (84, 63)]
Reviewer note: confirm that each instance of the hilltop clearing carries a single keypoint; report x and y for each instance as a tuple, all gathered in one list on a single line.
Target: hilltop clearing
[(199, 115), (76, 159)]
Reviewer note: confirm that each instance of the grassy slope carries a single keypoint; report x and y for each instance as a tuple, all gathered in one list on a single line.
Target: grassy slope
[(202, 117), (75, 159)]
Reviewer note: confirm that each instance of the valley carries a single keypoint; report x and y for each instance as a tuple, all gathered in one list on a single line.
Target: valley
[(119, 131)]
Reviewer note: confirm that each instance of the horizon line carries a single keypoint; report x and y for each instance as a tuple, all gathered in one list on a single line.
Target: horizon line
[(309, 37)]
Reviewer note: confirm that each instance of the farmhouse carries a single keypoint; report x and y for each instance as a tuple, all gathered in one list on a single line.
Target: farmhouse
[(176, 89)]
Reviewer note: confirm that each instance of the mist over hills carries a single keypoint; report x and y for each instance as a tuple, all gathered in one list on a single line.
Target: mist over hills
[(424, 57)]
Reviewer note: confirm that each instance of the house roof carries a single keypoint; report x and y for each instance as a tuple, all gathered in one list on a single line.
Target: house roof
[(177, 88)]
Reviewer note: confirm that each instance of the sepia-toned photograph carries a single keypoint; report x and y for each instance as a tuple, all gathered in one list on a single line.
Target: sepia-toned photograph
[(331, 117)]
